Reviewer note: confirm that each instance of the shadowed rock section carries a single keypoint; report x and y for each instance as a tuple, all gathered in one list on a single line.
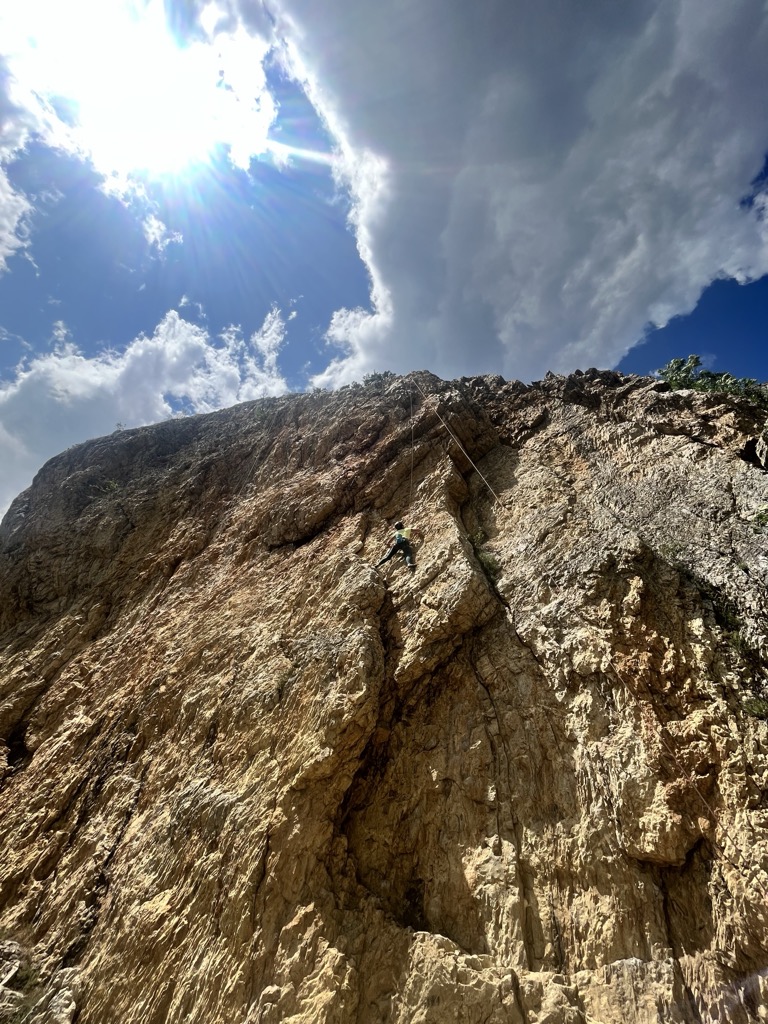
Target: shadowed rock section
[(247, 777)]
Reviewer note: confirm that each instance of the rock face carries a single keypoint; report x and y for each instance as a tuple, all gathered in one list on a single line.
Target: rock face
[(247, 777)]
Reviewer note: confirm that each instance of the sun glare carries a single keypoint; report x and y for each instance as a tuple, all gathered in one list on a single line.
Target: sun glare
[(141, 101)]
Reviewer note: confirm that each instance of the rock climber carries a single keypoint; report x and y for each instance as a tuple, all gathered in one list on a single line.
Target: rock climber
[(402, 545)]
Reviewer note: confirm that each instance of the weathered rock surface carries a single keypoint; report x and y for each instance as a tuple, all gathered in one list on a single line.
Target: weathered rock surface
[(249, 778)]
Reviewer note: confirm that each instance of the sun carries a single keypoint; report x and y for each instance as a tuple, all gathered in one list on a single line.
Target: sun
[(140, 101)]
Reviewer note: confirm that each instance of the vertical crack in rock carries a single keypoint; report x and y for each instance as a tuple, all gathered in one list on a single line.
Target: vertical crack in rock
[(526, 898), (95, 896)]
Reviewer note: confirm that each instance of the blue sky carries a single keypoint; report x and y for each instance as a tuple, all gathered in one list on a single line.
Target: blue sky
[(728, 329), (248, 240), (204, 202)]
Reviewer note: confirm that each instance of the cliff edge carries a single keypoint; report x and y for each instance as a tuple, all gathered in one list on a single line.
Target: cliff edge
[(248, 777)]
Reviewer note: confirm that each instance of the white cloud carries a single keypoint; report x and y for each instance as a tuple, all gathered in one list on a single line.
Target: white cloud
[(197, 307), (185, 103), (14, 213), (14, 205), (23, 114), (60, 334), (158, 235), (534, 183), (64, 397)]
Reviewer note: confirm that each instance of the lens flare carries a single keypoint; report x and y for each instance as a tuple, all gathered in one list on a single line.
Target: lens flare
[(138, 100)]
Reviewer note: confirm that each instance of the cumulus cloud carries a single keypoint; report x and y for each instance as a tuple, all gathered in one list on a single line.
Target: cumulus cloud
[(63, 397), (534, 182), (15, 207), (158, 235), (14, 215)]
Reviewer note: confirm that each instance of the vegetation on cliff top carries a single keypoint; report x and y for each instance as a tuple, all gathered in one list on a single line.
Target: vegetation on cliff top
[(687, 373)]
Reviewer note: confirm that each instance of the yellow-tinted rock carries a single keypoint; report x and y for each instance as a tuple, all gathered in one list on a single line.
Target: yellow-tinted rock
[(249, 777)]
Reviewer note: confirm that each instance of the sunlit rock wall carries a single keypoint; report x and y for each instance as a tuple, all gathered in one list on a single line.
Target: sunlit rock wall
[(247, 777)]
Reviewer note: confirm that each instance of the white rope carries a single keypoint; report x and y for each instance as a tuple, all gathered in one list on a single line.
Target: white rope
[(463, 449), (410, 495), (688, 776)]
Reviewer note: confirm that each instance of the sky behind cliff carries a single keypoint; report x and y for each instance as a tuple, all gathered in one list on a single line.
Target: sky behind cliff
[(203, 203)]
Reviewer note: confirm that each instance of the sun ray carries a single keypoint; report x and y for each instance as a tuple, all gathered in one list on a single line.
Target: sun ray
[(283, 153), (140, 101)]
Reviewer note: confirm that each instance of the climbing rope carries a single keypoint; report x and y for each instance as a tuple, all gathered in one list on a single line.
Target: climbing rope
[(410, 494), (715, 845), (462, 448)]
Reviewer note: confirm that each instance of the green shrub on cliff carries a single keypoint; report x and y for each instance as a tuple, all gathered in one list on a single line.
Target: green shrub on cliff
[(687, 373)]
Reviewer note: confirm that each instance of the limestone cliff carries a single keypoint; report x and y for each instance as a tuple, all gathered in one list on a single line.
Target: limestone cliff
[(246, 777)]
